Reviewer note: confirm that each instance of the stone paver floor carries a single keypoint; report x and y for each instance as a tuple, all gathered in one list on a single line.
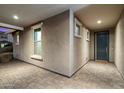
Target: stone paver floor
[(20, 75)]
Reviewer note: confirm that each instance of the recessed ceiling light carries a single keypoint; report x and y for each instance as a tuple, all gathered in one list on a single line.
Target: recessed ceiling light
[(99, 21), (15, 17)]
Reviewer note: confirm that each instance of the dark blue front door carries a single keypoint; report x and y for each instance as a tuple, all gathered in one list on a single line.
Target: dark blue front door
[(102, 45)]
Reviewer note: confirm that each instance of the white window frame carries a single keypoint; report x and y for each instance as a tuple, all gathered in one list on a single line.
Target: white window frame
[(34, 56), (17, 38), (87, 35), (77, 23)]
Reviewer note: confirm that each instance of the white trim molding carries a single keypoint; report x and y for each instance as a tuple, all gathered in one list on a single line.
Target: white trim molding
[(34, 56), (77, 22), (37, 57), (11, 26), (37, 25)]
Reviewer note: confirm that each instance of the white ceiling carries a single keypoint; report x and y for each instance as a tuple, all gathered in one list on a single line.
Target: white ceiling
[(32, 13), (109, 14), (88, 14)]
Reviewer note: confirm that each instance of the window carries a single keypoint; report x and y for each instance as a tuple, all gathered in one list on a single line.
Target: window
[(77, 30), (37, 41), (5, 44), (2, 45), (87, 35), (78, 27), (17, 38)]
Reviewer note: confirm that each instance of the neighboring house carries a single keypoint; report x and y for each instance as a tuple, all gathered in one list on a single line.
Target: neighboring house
[(6, 47), (6, 37)]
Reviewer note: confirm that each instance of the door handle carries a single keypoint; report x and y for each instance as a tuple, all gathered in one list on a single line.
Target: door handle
[(106, 50)]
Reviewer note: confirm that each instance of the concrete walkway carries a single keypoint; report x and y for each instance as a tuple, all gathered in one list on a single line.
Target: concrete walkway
[(17, 74)]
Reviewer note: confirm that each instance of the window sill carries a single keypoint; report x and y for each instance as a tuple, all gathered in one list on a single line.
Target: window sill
[(37, 57), (78, 36)]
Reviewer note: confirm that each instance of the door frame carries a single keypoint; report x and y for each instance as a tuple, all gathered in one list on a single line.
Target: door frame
[(95, 51)]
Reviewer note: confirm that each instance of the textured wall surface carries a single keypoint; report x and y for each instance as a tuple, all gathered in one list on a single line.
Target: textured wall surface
[(112, 45), (81, 48), (92, 45), (119, 45), (62, 52), (55, 44)]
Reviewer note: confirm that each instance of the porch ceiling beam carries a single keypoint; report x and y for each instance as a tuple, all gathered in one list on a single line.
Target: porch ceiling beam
[(11, 26)]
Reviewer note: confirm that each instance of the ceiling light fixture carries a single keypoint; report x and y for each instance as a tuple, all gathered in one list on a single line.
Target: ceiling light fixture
[(16, 17), (99, 21)]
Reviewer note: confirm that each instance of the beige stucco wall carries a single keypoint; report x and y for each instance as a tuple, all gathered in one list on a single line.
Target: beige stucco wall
[(55, 41), (92, 45), (62, 51), (119, 45), (111, 45), (80, 48)]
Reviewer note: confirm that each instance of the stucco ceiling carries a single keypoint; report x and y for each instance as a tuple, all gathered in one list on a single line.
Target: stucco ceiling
[(30, 14), (108, 14)]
